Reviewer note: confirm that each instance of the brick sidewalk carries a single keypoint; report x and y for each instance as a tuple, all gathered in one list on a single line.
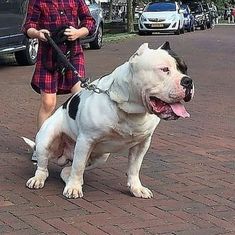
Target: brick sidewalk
[(192, 177), (190, 168)]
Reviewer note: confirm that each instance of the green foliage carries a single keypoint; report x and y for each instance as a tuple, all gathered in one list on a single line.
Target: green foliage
[(220, 3)]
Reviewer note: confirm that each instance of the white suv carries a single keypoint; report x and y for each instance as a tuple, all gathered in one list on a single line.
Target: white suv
[(163, 16)]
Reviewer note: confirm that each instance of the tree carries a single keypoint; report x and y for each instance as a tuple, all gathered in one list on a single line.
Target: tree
[(110, 10), (130, 20)]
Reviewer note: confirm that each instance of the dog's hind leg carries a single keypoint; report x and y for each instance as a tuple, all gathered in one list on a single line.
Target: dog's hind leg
[(65, 173), (96, 161), (135, 159), (41, 173), (43, 154), (45, 141)]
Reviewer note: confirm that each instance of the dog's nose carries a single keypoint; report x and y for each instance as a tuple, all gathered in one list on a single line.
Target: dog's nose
[(186, 82)]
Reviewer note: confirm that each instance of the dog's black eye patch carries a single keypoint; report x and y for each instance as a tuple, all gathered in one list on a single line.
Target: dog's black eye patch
[(181, 66), (73, 106)]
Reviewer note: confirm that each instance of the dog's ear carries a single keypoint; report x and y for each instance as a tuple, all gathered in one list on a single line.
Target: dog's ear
[(165, 46), (140, 51), (142, 48)]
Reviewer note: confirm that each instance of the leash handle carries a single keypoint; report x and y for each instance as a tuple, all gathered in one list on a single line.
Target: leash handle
[(64, 59), (85, 83)]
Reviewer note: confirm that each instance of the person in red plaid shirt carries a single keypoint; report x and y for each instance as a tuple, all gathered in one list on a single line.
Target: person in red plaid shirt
[(46, 16)]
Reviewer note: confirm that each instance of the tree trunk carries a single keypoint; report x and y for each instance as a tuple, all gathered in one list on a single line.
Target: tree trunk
[(134, 4), (110, 10), (130, 21)]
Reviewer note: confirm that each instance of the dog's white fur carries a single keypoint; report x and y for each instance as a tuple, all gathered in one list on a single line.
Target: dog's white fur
[(109, 123)]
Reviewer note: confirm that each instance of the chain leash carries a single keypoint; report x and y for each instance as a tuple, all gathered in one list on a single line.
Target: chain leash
[(86, 84)]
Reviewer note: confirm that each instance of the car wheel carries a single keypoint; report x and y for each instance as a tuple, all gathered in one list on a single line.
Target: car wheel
[(98, 41), (29, 55)]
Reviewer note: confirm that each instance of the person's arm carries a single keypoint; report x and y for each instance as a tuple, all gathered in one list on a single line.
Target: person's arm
[(30, 26), (32, 16), (39, 34), (74, 33), (87, 23)]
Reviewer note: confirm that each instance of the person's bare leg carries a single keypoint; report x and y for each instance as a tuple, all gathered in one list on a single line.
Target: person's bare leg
[(47, 107), (76, 88)]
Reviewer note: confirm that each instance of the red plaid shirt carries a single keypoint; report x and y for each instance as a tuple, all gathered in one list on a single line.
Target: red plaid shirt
[(51, 14)]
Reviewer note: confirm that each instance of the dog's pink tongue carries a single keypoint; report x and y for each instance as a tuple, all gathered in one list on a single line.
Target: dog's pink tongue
[(179, 110)]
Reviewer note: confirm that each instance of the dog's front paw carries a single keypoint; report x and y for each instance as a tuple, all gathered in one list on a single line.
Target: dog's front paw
[(141, 191), (35, 182), (39, 179), (72, 191), (137, 189)]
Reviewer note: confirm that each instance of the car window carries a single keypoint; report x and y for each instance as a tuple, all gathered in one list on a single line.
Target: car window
[(157, 7)]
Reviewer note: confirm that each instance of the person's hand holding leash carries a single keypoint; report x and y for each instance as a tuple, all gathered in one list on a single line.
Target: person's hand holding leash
[(74, 33), (39, 34)]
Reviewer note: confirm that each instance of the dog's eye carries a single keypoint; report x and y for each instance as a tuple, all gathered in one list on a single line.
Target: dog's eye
[(165, 69)]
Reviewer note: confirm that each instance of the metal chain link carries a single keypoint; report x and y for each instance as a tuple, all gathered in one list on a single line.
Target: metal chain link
[(92, 87)]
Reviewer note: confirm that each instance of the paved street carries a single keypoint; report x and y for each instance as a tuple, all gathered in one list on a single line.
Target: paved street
[(190, 165)]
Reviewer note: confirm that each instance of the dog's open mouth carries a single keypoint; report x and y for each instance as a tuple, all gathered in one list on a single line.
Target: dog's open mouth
[(167, 111)]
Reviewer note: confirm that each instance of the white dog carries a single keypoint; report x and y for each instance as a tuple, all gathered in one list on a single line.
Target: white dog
[(90, 126)]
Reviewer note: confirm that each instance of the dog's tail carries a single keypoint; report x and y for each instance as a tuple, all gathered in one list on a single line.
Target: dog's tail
[(29, 142)]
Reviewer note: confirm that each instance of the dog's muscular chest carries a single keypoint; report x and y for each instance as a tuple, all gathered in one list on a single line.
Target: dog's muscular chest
[(124, 135)]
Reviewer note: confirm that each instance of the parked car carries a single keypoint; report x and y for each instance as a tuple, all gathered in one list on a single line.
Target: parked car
[(95, 41), (12, 40), (161, 17), (198, 13), (208, 14), (189, 21)]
